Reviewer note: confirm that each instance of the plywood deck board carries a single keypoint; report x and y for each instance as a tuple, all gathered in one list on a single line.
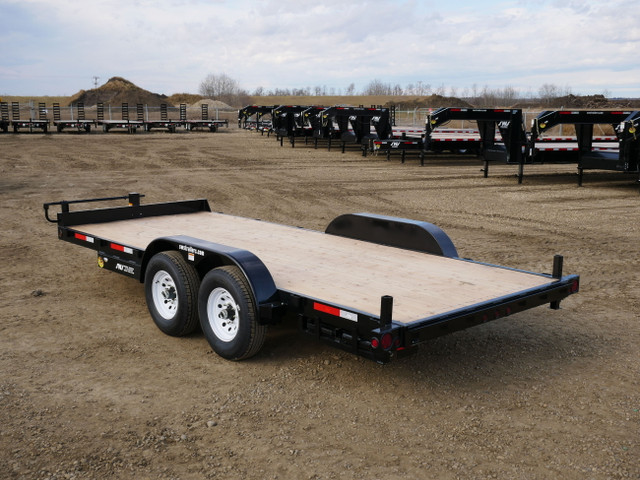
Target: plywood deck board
[(338, 270)]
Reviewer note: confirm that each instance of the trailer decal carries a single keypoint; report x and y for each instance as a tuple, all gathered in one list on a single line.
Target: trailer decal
[(125, 268), (335, 311), (191, 251)]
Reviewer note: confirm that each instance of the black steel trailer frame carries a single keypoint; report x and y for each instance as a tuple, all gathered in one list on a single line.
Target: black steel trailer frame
[(624, 123), (377, 337)]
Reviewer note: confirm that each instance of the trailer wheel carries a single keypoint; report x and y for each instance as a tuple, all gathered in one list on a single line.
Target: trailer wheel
[(171, 289), (228, 314)]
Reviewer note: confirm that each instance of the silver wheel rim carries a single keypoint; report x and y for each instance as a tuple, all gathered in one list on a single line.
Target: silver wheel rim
[(223, 314), (165, 296)]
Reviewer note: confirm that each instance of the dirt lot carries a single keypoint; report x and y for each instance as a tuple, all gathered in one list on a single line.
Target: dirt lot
[(90, 388)]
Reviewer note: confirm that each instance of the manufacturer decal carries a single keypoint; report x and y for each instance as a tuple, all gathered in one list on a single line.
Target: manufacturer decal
[(191, 250), (125, 269)]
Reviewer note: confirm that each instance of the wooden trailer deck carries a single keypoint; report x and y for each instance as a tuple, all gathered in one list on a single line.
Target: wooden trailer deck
[(338, 270)]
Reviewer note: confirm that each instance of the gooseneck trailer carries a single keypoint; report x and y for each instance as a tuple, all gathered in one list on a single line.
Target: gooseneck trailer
[(373, 285)]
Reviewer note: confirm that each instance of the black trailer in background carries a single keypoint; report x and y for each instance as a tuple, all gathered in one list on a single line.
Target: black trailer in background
[(258, 111), (4, 117), (289, 121), (353, 125), (131, 126), (205, 122), (624, 124), (166, 123), (510, 148), (80, 123), (41, 123)]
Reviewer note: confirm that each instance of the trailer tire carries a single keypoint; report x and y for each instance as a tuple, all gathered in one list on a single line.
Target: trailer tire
[(171, 289), (228, 314)]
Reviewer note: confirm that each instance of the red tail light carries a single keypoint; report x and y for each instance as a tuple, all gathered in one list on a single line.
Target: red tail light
[(386, 341)]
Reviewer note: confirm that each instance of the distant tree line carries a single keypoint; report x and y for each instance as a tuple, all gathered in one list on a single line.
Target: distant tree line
[(222, 87)]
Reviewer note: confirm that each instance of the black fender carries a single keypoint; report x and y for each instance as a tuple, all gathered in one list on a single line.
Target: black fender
[(395, 232), (205, 256)]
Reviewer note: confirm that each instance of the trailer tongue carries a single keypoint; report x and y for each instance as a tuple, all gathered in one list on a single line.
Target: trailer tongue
[(373, 285)]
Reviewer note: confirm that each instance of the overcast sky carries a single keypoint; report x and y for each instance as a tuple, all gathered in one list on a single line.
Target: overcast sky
[(56, 47)]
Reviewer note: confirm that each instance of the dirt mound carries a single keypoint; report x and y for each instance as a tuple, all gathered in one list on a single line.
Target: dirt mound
[(119, 90), (212, 104), (186, 98), (431, 101)]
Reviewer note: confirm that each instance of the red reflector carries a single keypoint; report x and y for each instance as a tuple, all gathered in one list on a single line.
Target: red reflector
[(115, 246), (79, 236), (375, 343), (326, 309), (386, 341)]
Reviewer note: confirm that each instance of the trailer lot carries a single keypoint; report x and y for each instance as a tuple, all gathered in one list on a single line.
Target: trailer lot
[(91, 389)]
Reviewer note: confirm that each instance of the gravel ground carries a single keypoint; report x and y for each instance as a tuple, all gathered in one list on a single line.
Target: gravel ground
[(91, 389)]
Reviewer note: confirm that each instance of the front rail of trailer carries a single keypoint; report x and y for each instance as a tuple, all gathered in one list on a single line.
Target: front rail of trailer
[(378, 336)]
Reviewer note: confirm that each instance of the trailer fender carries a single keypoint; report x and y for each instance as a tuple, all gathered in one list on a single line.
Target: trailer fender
[(395, 232), (207, 255)]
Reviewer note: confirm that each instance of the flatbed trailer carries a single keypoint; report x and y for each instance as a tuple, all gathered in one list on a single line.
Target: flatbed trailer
[(79, 124), (205, 122), (211, 125), (373, 285), (41, 123), (166, 123)]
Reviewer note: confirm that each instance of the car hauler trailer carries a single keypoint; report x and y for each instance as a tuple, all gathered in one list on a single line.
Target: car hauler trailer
[(373, 285)]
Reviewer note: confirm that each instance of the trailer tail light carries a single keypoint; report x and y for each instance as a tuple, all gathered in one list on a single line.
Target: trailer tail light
[(386, 341), (575, 286)]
